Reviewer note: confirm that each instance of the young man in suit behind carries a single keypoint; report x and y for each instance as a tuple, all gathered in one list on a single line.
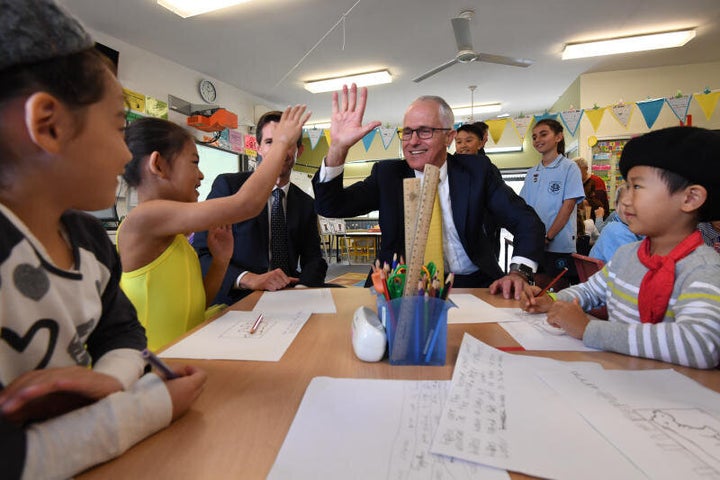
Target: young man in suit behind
[(251, 266)]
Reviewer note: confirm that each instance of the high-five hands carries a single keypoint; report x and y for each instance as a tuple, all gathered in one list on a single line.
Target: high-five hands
[(346, 126)]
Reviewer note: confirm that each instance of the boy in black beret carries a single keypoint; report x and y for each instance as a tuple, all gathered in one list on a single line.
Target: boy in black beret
[(662, 293)]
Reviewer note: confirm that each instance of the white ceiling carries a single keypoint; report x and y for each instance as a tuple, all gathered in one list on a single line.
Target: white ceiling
[(253, 46)]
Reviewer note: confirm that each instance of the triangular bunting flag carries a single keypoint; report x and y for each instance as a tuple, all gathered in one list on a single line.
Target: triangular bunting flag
[(622, 112), (314, 136), (386, 134), (368, 139), (522, 124), (595, 116), (679, 105), (496, 128), (551, 116), (650, 110), (571, 119), (708, 102), (327, 136)]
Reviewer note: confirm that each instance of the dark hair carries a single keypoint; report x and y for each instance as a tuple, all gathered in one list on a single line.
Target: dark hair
[(147, 135), (78, 80), (483, 128), (472, 128), (556, 127), (268, 117)]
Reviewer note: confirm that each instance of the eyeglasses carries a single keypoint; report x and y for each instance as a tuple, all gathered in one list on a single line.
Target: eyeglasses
[(423, 133)]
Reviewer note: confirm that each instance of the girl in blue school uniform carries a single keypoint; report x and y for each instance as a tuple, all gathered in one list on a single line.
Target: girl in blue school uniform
[(554, 189)]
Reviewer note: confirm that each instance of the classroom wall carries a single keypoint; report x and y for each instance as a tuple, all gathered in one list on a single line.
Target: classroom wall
[(144, 72), (608, 88)]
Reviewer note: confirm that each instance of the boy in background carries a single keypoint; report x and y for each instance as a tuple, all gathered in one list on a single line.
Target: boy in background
[(62, 116), (662, 294)]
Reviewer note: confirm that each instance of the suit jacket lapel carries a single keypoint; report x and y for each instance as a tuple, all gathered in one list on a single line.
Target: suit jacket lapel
[(459, 189), (264, 222)]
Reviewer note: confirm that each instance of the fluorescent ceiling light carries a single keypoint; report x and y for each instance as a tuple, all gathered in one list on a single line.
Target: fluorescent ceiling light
[(361, 80), (518, 148), (485, 108), (189, 8), (636, 43)]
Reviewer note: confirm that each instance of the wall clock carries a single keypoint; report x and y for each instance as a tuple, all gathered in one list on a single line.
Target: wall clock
[(207, 91)]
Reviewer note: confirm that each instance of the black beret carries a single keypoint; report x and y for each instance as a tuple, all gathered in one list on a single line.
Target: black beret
[(36, 30), (691, 152)]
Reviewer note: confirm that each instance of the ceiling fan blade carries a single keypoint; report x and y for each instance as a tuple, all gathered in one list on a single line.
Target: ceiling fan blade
[(435, 70), (503, 60), (461, 27)]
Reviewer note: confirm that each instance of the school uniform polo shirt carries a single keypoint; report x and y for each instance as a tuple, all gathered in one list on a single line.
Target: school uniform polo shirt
[(545, 189)]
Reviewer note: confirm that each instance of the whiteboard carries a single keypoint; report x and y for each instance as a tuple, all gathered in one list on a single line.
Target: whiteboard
[(213, 162)]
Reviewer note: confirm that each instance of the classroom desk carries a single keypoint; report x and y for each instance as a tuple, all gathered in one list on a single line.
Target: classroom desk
[(236, 427)]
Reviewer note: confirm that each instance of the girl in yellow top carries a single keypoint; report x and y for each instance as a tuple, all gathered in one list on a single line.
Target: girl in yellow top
[(161, 271)]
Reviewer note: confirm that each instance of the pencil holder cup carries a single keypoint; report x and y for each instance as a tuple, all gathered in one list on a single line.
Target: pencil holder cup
[(416, 329)]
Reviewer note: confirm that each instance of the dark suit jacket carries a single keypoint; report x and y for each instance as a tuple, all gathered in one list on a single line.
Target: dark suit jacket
[(476, 191), (252, 241)]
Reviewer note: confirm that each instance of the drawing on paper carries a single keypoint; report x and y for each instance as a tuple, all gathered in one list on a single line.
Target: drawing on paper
[(690, 429)]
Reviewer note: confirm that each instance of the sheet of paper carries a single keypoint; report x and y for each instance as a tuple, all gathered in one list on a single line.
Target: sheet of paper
[(666, 423), (470, 309), (229, 337), (500, 413), (310, 300), (533, 333), (370, 429)]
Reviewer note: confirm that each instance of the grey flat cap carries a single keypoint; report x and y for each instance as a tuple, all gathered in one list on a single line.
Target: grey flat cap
[(36, 30)]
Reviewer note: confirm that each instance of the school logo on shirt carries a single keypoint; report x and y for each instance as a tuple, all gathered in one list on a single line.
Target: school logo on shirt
[(554, 187)]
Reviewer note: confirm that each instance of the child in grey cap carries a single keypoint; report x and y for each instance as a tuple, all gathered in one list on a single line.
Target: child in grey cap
[(71, 370)]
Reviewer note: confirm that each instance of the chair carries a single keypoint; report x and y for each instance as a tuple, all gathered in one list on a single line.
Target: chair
[(586, 267), (339, 230), (326, 236)]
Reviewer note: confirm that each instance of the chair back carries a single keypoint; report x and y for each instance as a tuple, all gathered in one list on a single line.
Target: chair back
[(586, 266)]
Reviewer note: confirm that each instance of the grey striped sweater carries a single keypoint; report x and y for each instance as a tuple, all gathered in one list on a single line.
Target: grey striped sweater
[(689, 335)]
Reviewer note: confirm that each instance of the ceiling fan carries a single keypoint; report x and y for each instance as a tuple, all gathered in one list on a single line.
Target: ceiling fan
[(466, 53)]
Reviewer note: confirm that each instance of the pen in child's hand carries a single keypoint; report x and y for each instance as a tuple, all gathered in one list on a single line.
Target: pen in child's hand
[(159, 364)]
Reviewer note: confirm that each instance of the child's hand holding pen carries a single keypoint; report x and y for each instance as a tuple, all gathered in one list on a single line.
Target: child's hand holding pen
[(184, 383), (531, 303)]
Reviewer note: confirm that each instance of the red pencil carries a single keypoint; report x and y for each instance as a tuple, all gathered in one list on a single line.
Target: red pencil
[(553, 282)]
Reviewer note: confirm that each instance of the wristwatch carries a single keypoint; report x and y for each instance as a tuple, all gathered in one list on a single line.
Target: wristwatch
[(523, 270)]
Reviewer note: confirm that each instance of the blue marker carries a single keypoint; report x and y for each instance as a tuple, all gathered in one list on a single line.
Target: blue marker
[(159, 364)]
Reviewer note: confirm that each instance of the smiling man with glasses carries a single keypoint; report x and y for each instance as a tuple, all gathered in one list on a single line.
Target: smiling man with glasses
[(470, 191)]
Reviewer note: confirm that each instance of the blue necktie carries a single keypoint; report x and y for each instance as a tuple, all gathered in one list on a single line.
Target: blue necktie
[(278, 234)]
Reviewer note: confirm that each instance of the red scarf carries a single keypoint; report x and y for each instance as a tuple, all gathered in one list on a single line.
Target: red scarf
[(657, 284)]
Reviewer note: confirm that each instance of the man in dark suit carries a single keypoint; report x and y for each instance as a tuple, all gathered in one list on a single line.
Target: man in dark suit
[(470, 190), (250, 265)]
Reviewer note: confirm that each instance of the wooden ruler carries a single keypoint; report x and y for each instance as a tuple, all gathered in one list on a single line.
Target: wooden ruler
[(411, 197), (418, 207), (418, 240)]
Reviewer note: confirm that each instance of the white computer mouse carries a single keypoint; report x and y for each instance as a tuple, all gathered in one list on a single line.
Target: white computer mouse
[(368, 335)]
